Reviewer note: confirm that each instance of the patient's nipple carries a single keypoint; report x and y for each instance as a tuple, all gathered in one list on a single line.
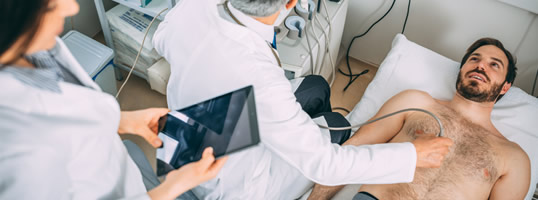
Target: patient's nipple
[(486, 173)]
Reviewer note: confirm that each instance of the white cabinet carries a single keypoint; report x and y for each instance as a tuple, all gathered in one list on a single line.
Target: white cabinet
[(152, 9), (295, 55)]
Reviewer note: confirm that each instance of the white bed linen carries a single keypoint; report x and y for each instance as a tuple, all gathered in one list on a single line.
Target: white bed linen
[(411, 66)]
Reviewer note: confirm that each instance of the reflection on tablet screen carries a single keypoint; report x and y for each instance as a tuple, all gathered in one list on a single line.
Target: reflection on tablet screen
[(225, 123)]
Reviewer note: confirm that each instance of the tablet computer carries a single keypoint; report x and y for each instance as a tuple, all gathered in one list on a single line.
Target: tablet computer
[(228, 123)]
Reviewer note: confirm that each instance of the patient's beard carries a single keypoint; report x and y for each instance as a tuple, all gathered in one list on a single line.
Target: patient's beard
[(473, 93)]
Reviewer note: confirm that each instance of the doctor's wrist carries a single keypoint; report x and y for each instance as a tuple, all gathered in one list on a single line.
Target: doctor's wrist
[(166, 191), (123, 127)]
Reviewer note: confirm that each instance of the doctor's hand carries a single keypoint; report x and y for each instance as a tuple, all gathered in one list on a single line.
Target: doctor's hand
[(189, 176), (144, 123), (431, 150)]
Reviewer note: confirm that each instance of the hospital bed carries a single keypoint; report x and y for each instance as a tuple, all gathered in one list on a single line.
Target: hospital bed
[(411, 66)]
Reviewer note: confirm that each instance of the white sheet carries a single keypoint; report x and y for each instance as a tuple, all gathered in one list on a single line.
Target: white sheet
[(411, 66)]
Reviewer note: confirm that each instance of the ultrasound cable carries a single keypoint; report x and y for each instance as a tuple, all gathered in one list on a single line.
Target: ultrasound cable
[(441, 129)]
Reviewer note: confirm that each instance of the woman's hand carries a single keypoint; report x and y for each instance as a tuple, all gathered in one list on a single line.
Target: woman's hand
[(144, 123), (189, 176)]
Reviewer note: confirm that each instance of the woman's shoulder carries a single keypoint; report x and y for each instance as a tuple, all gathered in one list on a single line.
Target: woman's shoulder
[(15, 94)]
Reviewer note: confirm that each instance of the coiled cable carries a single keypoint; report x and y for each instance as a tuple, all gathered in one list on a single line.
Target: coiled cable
[(441, 129)]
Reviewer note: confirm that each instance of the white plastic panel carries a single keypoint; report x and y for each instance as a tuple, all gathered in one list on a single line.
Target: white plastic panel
[(447, 27), (294, 53)]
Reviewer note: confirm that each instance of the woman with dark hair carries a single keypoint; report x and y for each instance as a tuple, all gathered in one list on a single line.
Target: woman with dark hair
[(59, 131)]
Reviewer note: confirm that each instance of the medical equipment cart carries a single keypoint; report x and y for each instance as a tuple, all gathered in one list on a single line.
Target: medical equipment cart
[(152, 9)]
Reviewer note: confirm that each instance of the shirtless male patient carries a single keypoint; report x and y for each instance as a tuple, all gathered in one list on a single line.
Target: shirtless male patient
[(482, 163)]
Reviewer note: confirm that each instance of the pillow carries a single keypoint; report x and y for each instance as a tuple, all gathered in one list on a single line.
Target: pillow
[(411, 66)]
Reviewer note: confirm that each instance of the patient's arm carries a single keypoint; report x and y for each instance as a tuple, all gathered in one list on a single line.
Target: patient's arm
[(514, 184), (430, 149), (379, 132)]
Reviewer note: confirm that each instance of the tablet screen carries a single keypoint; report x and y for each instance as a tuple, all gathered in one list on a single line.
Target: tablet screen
[(227, 123)]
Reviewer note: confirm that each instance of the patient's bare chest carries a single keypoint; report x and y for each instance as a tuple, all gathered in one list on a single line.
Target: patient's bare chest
[(471, 160)]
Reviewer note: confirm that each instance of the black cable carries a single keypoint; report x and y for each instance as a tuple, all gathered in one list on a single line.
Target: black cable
[(351, 75), (406, 16), (441, 129), (355, 76), (341, 108)]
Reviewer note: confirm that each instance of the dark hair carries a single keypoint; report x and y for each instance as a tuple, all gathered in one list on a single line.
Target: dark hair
[(20, 19), (511, 74)]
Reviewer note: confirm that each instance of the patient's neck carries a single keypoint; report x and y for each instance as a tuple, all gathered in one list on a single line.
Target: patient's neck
[(476, 112)]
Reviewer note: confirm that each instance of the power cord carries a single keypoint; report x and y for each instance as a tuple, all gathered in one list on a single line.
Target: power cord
[(320, 64), (309, 50), (353, 77), (328, 36), (406, 15), (441, 129), (139, 51), (341, 108), (327, 51), (327, 42)]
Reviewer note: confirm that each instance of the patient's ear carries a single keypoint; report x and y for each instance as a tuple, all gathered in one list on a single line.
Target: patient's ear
[(291, 4), (506, 87)]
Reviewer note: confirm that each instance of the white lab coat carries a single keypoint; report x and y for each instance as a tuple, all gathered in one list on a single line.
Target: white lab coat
[(63, 145), (210, 56)]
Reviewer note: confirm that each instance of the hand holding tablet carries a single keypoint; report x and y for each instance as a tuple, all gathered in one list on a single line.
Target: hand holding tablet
[(228, 123)]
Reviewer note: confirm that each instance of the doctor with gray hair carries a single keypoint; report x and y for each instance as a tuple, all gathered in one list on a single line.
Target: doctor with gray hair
[(261, 8), (215, 47)]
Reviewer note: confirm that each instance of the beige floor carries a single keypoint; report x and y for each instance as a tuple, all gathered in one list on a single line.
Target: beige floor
[(354, 92), (137, 94)]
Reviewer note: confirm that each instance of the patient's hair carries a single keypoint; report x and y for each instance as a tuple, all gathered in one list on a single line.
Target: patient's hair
[(258, 8), (20, 19), (511, 74)]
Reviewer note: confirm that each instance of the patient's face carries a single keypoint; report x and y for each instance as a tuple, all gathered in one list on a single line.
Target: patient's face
[(482, 77)]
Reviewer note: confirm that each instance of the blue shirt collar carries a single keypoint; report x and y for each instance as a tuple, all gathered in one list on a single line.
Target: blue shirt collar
[(46, 75)]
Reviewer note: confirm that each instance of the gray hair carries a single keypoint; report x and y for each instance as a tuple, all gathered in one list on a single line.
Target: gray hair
[(258, 8)]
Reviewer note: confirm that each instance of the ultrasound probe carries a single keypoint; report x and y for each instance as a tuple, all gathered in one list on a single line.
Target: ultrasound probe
[(441, 129)]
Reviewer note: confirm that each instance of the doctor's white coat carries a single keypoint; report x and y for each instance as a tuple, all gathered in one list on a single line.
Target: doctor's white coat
[(210, 56), (63, 145)]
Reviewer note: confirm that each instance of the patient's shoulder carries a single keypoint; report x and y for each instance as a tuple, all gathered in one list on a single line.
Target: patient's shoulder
[(509, 152), (415, 93), (513, 152), (415, 98)]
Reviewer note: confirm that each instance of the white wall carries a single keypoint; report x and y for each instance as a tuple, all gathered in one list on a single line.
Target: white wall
[(528, 60), (447, 27), (87, 21)]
